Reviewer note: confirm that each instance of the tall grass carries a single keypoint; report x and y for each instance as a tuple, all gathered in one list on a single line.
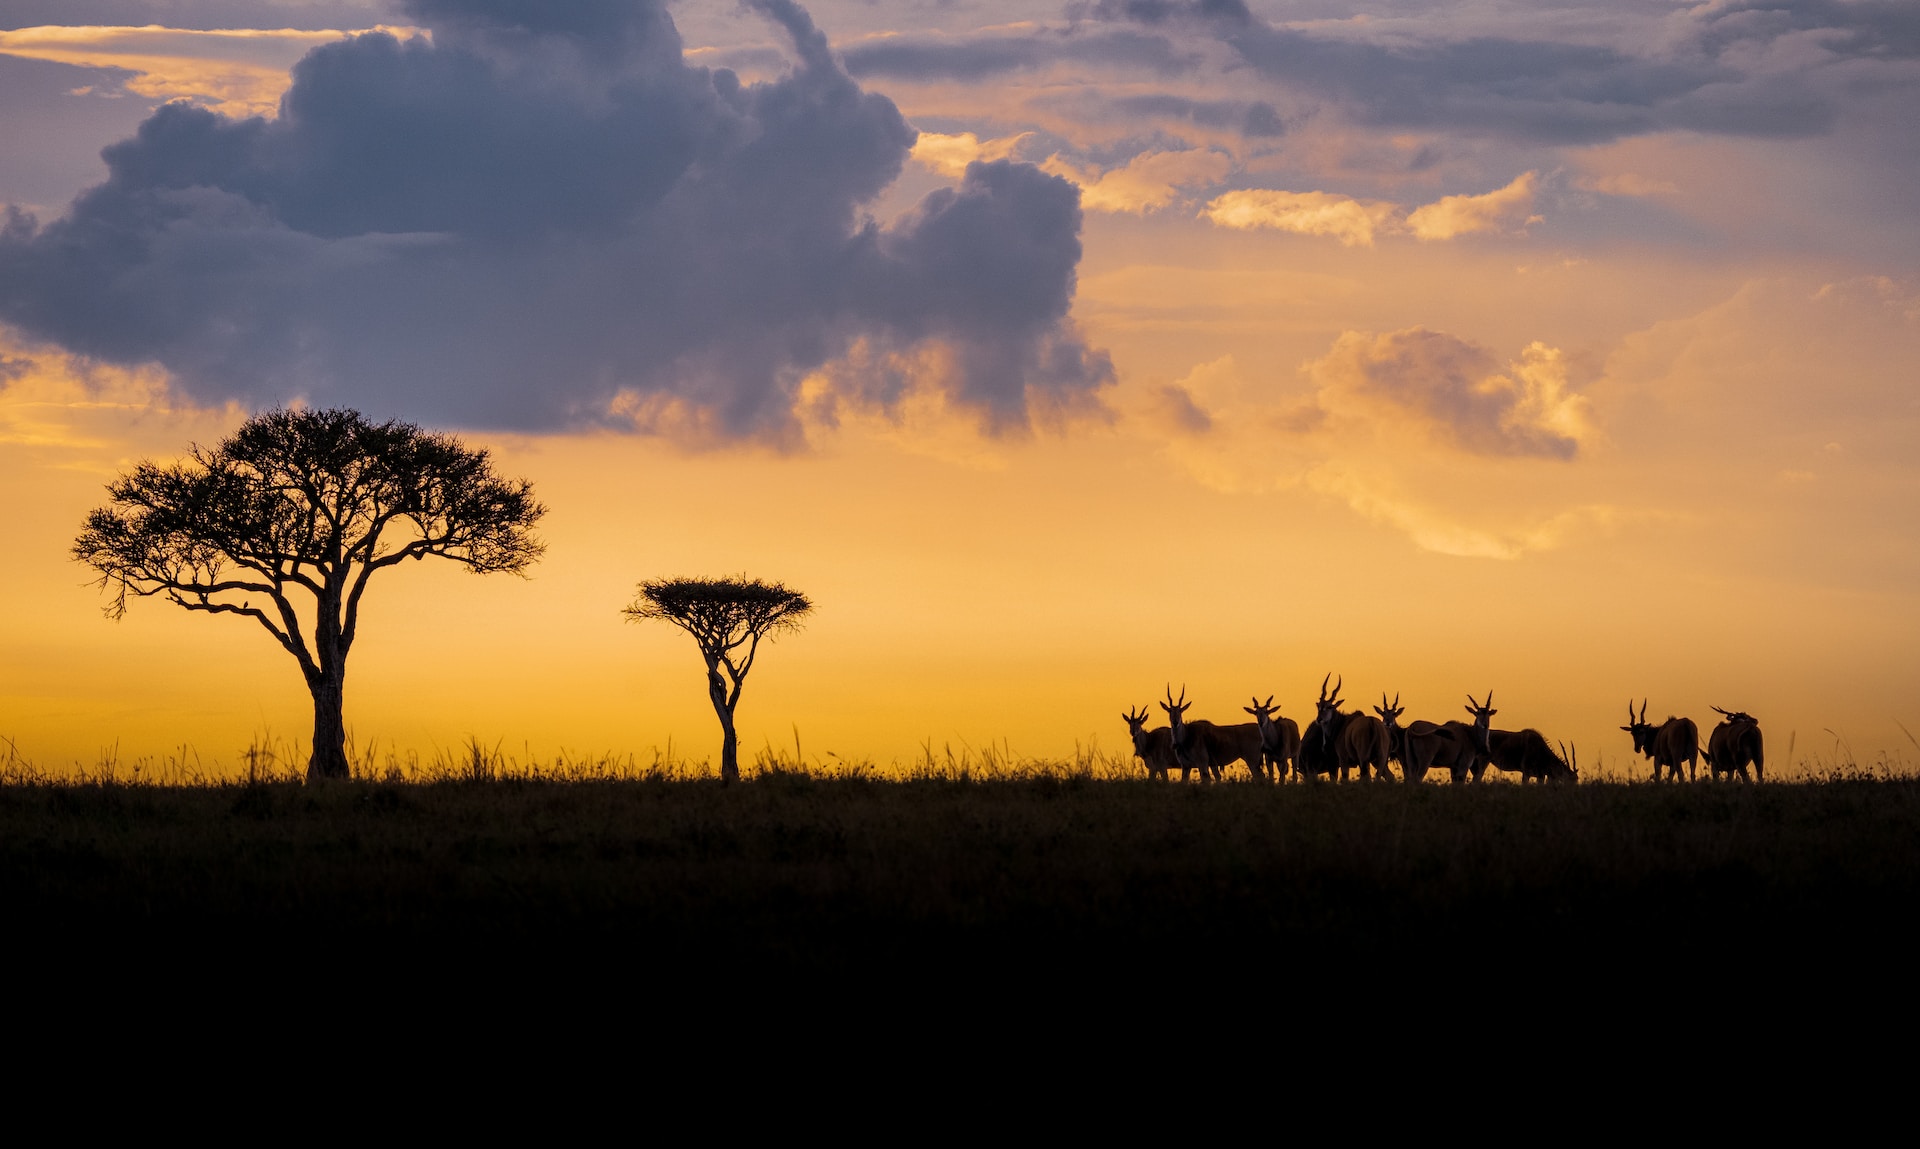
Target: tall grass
[(268, 759)]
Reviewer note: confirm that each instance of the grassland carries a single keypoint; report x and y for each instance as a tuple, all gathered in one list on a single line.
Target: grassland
[(1050, 874)]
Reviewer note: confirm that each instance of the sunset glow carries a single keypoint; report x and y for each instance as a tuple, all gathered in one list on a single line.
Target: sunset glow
[(1567, 353)]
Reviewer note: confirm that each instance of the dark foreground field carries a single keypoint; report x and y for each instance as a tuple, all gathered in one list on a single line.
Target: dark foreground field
[(1115, 880)]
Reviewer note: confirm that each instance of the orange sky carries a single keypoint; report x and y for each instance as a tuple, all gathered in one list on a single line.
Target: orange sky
[(1723, 511)]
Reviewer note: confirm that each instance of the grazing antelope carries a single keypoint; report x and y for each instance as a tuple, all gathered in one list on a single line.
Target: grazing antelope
[(1279, 737), (1455, 746), (1208, 745), (1734, 744), (1526, 753), (1153, 747), (1359, 740), (1672, 742)]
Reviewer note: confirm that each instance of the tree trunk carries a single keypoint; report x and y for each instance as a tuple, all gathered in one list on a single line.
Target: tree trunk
[(729, 751), (729, 741), (329, 730)]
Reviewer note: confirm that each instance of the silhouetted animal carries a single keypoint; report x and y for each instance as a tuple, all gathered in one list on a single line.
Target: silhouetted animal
[(1672, 742), (1451, 746), (1359, 740), (1390, 713), (1735, 744), (1526, 753), (1316, 756), (1153, 747), (1208, 745), (1279, 737)]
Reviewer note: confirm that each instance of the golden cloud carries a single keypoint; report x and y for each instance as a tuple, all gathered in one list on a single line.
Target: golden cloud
[(1501, 210), (1356, 222), (1149, 181), (236, 71), (950, 155), (1353, 222)]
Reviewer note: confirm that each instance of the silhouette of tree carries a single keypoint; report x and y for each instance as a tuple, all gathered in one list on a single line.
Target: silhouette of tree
[(723, 615), (306, 501)]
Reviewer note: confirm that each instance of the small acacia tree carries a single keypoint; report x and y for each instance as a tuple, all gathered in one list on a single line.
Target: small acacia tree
[(299, 505), (728, 617)]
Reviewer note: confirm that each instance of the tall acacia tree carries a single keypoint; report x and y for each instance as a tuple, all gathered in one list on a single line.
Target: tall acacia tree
[(299, 505), (727, 618)]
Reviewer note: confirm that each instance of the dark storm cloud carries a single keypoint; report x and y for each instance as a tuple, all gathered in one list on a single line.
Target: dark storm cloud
[(1257, 119), (540, 209), (984, 57), (303, 14), (1711, 75)]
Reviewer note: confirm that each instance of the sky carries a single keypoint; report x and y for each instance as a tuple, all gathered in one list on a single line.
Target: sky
[(1567, 351)]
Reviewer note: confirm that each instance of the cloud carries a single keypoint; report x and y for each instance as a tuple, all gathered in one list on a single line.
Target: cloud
[(1385, 440), (1357, 222), (1626, 184), (1353, 222), (542, 216), (1254, 119), (1149, 181), (1433, 529), (994, 54), (1455, 391), (1457, 215), (1177, 407), (950, 155), (239, 72)]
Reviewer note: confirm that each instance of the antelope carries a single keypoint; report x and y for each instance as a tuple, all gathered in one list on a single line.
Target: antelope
[(1390, 713), (1316, 756), (1526, 753), (1208, 745), (1672, 742), (1279, 737), (1359, 740), (1734, 744), (1153, 747), (1453, 746)]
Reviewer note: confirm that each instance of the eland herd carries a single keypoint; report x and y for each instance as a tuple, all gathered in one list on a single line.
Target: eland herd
[(1343, 742)]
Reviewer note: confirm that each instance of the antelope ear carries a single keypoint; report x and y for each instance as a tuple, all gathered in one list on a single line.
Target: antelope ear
[(1628, 729)]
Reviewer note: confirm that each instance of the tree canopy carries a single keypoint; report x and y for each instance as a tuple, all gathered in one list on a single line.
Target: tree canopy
[(305, 501)]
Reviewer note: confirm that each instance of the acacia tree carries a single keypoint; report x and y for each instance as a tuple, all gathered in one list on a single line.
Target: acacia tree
[(299, 505), (727, 618)]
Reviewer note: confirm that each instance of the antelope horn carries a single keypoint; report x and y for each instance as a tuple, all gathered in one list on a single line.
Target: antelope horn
[(1338, 685), (1323, 686), (1643, 704), (1269, 703), (1396, 700)]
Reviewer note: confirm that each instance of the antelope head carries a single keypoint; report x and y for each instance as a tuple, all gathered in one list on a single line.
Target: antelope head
[(1389, 712), (1570, 757), (1639, 727), (1483, 713), (1136, 726), (1329, 704), (1738, 717), (1176, 714), (1263, 716)]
